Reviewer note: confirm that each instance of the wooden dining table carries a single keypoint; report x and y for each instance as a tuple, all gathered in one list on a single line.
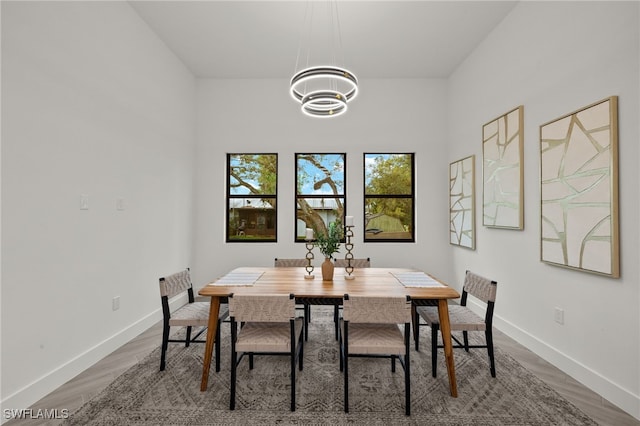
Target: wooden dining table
[(421, 287)]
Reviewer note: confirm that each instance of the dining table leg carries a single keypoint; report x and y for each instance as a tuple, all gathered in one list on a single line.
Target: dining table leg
[(445, 328), (214, 311)]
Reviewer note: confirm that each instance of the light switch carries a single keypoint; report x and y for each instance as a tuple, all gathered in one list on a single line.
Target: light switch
[(119, 203), (84, 202)]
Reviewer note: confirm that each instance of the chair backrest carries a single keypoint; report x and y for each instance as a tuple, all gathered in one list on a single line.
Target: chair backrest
[(175, 284), (480, 287), (262, 308), (377, 309), (290, 262), (356, 263)]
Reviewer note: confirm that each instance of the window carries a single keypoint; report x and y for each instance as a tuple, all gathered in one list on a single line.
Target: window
[(252, 183), (320, 191), (389, 197)]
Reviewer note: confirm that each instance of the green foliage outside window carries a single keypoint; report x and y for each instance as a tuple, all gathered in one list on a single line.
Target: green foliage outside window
[(389, 198), (252, 197)]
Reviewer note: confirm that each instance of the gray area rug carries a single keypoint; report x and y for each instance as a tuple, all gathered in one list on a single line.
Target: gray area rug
[(145, 396)]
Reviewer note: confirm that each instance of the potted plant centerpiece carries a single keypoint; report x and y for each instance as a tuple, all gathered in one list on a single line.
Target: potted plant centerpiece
[(329, 243)]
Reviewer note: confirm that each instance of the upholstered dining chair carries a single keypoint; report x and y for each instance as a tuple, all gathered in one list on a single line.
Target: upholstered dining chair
[(270, 327), (291, 263), (297, 263), (190, 315), (342, 263), (356, 263), (462, 319), (369, 327)]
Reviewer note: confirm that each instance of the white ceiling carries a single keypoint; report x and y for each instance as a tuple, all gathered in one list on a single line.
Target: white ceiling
[(380, 39)]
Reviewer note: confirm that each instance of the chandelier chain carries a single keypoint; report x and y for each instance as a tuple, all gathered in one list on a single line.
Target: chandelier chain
[(323, 90)]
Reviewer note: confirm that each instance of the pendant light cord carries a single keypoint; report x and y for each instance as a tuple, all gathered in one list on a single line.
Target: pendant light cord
[(337, 85)]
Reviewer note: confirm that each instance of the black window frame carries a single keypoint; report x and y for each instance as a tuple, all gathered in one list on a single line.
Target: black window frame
[(371, 237), (297, 196), (230, 197)]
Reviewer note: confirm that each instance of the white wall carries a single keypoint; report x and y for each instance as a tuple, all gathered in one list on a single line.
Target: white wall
[(92, 103), (554, 58), (236, 116)]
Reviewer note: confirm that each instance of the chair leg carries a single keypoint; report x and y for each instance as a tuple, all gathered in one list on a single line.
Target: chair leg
[(416, 330), (489, 337), (465, 337), (297, 356), (393, 364), (217, 346), (434, 349), (293, 381), (341, 355), (188, 339), (307, 320), (336, 319), (232, 398), (407, 377), (407, 389), (344, 340), (165, 344), (234, 364), (346, 381)]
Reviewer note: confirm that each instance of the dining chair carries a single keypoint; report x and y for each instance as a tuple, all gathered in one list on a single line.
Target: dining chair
[(342, 263), (356, 263), (269, 327), (369, 327), (305, 307), (461, 318), (190, 315)]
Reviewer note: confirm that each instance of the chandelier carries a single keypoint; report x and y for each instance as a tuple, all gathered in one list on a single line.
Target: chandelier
[(323, 90)]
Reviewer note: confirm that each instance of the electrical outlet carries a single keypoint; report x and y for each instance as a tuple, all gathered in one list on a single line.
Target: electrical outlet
[(558, 315), (115, 303)]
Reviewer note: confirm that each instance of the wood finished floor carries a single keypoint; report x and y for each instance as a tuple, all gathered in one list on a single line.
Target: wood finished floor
[(89, 383)]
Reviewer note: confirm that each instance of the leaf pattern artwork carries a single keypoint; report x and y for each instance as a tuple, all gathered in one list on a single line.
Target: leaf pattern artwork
[(462, 201), (578, 170), (502, 193)]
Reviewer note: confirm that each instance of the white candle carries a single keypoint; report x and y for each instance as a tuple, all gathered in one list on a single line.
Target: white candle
[(309, 234), (348, 221)]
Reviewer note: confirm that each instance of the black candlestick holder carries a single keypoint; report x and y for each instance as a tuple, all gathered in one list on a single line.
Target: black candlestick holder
[(348, 245), (309, 268)]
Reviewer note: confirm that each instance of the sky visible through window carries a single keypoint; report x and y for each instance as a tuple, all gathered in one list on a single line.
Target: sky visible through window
[(312, 180)]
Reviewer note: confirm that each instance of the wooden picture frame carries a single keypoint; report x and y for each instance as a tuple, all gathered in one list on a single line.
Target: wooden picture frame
[(502, 171), (462, 203), (579, 226)]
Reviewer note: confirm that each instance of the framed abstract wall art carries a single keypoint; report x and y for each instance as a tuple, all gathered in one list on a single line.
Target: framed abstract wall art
[(579, 189), (502, 171), (462, 202)]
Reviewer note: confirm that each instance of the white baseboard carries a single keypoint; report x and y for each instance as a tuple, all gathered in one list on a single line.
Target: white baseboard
[(604, 387), (33, 392)]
